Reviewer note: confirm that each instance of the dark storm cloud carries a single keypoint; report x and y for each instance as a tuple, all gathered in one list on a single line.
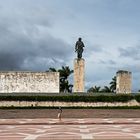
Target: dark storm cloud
[(19, 51), (131, 52), (25, 43)]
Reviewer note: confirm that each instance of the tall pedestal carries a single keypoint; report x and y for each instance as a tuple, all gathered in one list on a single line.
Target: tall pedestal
[(79, 75), (124, 82)]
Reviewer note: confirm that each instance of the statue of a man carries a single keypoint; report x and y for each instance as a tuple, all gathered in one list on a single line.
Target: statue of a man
[(79, 48)]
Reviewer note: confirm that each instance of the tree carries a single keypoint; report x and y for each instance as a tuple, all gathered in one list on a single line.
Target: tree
[(106, 89), (52, 70), (94, 89), (113, 84), (65, 72)]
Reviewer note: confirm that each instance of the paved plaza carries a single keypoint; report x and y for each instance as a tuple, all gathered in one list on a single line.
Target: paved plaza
[(70, 129)]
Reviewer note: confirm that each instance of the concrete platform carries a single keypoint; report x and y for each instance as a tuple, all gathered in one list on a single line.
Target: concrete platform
[(70, 129)]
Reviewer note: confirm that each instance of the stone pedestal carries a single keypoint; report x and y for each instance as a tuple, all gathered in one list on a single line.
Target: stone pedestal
[(124, 83), (79, 75)]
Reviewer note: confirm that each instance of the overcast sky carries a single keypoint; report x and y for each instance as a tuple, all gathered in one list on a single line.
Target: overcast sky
[(38, 34)]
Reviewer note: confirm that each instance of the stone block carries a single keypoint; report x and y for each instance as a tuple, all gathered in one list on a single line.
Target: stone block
[(124, 82)]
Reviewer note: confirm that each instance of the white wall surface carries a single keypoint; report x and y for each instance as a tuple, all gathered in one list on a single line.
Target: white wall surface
[(39, 82)]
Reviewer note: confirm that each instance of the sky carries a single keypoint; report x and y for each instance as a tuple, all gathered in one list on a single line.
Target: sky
[(38, 34)]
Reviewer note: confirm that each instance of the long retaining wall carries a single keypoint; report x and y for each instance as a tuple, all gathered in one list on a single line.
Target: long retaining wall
[(30, 82), (66, 104)]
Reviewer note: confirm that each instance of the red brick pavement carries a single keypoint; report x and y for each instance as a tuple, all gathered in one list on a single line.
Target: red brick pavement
[(68, 129)]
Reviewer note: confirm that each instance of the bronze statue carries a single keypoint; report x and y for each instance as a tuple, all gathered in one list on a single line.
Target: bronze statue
[(79, 48)]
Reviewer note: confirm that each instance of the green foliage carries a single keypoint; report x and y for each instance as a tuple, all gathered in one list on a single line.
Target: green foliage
[(113, 84), (74, 98), (137, 97), (65, 72), (94, 89), (106, 89)]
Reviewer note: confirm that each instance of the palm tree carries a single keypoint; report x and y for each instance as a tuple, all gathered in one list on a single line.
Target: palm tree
[(106, 89), (52, 70), (65, 86), (65, 72), (94, 89), (97, 89), (113, 84)]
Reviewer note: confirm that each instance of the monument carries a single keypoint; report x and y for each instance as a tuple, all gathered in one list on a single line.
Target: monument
[(29, 82), (123, 82), (79, 67)]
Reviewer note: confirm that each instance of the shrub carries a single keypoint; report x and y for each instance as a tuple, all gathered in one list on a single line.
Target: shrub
[(72, 98), (137, 97)]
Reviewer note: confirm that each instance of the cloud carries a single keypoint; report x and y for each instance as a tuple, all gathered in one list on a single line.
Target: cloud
[(92, 49), (108, 62), (38, 35), (19, 51), (26, 44), (130, 52)]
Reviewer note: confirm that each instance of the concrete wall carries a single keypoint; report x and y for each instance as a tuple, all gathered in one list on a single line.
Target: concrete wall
[(66, 104), (39, 82), (124, 82)]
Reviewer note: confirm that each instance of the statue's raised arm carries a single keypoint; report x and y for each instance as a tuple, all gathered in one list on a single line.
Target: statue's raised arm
[(79, 48)]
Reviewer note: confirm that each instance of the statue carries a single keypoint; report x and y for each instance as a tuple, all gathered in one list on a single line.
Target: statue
[(79, 48)]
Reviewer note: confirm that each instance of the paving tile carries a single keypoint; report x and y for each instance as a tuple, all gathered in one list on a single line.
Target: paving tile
[(68, 129)]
